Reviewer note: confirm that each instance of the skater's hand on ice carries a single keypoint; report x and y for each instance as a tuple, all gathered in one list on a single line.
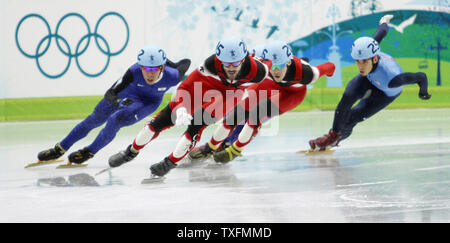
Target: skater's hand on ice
[(386, 19), (183, 118)]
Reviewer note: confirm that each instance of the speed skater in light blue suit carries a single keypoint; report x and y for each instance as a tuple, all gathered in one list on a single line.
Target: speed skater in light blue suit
[(133, 97), (379, 83)]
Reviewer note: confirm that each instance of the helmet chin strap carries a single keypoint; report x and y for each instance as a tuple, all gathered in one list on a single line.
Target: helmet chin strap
[(374, 65), (160, 76)]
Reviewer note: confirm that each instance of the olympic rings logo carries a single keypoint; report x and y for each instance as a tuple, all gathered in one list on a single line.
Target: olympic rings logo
[(79, 50)]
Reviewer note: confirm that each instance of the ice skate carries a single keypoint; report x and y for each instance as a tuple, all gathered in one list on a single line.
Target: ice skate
[(153, 179), (122, 157), (223, 146), (158, 171), (228, 154), (76, 159), (162, 168), (49, 156), (80, 156), (324, 143), (201, 153), (70, 165), (39, 163), (310, 151)]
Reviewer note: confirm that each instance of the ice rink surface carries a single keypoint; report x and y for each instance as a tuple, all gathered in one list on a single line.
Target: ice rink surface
[(394, 168)]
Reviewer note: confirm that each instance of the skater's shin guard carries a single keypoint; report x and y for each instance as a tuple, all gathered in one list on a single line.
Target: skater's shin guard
[(219, 136), (146, 135), (246, 135), (184, 145)]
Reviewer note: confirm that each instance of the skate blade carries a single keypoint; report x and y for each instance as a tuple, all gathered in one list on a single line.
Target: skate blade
[(39, 163), (152, 180), (103, 171), (308, 151), (70, 165)]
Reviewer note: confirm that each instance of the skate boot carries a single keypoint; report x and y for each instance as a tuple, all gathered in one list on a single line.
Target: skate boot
[(163, 167), (223, 146), (80, 156), (424, 96), (51, 154), (200, 153), (228, 154), (122, 157), (325, 142)]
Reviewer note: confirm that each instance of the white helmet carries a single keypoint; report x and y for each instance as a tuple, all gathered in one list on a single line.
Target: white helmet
[(231, 49), (258, 50), (365, 48), (278, 52), (151, 56)]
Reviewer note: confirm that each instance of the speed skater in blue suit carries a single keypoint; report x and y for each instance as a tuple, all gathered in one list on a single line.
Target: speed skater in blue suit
[(133, 97)]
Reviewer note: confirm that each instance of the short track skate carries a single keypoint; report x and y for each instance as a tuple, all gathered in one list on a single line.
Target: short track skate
[(39, 163), (153, 179), (311, 152), (70, 165)]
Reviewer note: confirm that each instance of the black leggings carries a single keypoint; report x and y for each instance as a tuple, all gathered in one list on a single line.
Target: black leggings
[(372, 101)]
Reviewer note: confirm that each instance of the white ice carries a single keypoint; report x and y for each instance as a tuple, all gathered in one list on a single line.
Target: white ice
[(394, 168)]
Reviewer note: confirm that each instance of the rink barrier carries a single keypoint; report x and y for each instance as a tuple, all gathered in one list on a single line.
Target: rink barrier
[(78, 107)]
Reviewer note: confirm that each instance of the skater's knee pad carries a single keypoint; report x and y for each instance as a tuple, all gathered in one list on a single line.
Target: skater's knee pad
[(195, 131)]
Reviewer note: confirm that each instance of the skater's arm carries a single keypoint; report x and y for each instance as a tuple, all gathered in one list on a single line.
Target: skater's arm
[(262, 71), (182, 66), (209, 64), (381, 32), (407, 78), (118, 86), (412, 78), (383, 28), (308, 74)]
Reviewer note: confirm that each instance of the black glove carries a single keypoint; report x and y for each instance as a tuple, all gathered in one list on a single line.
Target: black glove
[(121, 103), (424, 96)]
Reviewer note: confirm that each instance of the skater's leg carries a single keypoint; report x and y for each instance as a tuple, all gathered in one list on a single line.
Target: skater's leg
[(265, 109), (365, 109), (124, 117), (245, 136), (191, 136), (358, 88), (150, 131), (164, 120), (101, 113), (236, 116), (184, 145), (98, 117)]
